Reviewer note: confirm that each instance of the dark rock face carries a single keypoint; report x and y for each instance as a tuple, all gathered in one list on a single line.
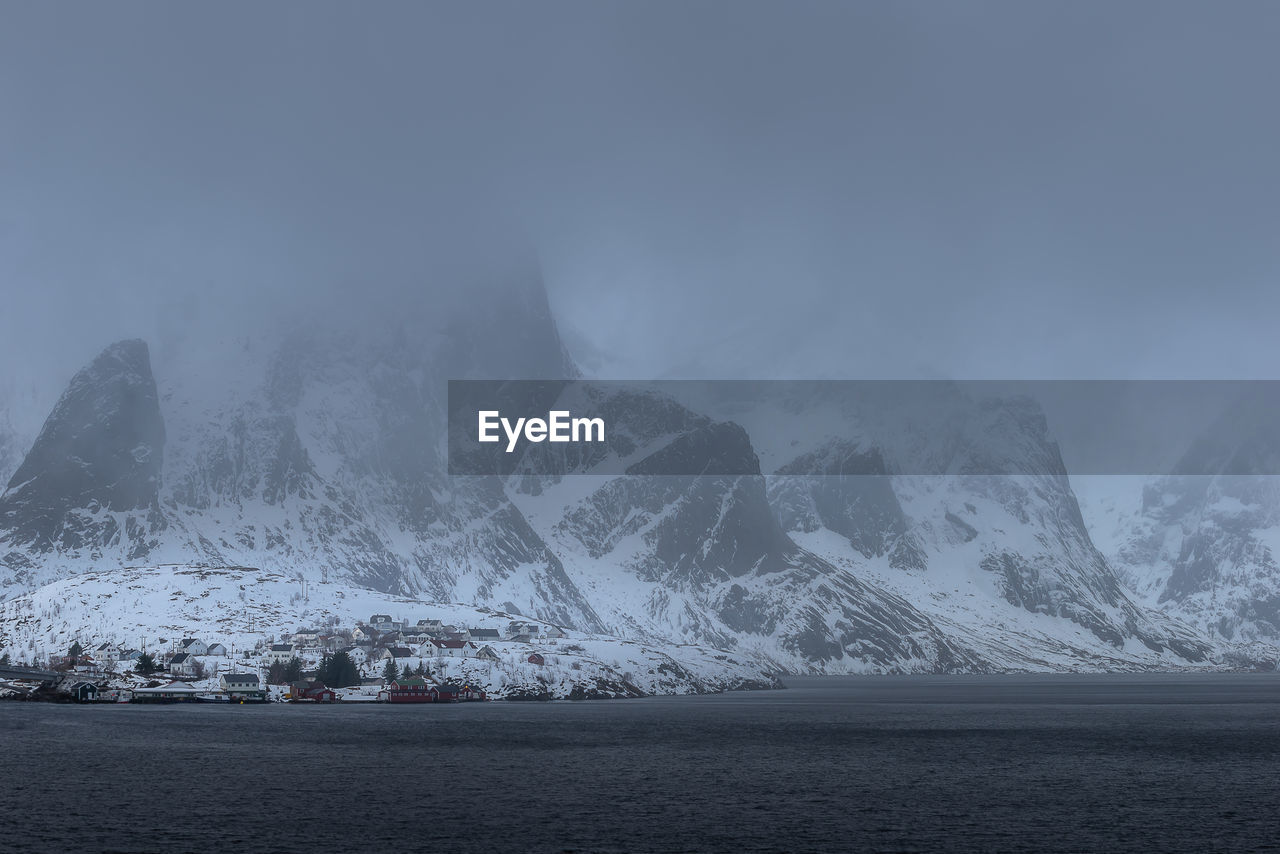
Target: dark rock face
[(100, 450), (848, 491), (720, 569), (1203, 544)]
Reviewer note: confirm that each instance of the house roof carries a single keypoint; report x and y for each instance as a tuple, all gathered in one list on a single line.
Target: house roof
[(179, 658), (240, 677), (411, 682), (449, 644), (175, 687), (189, 641), (282, 647), (400, 651), (484, 633)]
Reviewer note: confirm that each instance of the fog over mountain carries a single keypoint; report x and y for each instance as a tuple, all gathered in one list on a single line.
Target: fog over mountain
[(258, 251)]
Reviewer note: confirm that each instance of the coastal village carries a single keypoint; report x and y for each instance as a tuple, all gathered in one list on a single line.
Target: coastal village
[(378, 660)]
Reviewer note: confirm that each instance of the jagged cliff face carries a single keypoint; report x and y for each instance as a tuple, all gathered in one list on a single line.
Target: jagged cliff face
[(10, 449), (997, 548), (323, 454), (1203, 542), (90, 485)]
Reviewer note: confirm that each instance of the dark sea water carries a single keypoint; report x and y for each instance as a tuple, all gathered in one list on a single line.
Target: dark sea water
[(1018, 763)]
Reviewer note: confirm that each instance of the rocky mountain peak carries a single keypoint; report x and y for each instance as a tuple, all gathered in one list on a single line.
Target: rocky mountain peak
[(99, 451)]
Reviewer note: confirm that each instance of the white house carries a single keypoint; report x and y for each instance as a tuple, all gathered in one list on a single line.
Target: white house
[(279, 652), (182, 664), (437, 648), (216, 649), (240, 683), (384, 623), (359, 655), (193, 646), (307, 637), (522, 627)]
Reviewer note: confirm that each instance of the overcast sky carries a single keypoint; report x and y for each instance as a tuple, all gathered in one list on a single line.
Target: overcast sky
[(834, 189)]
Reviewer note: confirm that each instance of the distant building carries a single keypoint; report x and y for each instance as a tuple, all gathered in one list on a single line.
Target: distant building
[(395, 652), (193, 646), (280, 652), (174, 692), (358, 654), (536, 658), (447, 693), (411, 690), (216, 649), (483, 635), (448, 648), (310, 690), (384, 623), (516, 628), (241, 685), (307, 637), (487, 653), (84, 692), (181, 665)]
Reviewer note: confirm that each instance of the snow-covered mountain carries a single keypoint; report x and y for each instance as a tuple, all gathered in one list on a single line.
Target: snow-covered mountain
[(834, 560), (1202, 543), (321, 453)]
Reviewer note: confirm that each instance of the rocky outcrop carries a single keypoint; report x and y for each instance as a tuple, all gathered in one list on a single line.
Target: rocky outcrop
[(92, 479)]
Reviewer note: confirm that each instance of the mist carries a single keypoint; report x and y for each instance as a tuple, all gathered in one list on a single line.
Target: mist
[(816, 190)]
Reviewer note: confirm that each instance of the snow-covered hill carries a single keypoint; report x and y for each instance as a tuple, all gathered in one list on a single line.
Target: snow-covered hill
[(244, 608)]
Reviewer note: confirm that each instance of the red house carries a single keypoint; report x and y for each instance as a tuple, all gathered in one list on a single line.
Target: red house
[(535, 658), (447, 693), (411, 690), (313, 692), (321, 694)]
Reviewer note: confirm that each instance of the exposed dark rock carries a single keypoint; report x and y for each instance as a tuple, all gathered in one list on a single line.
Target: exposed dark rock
[(100, 452)]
